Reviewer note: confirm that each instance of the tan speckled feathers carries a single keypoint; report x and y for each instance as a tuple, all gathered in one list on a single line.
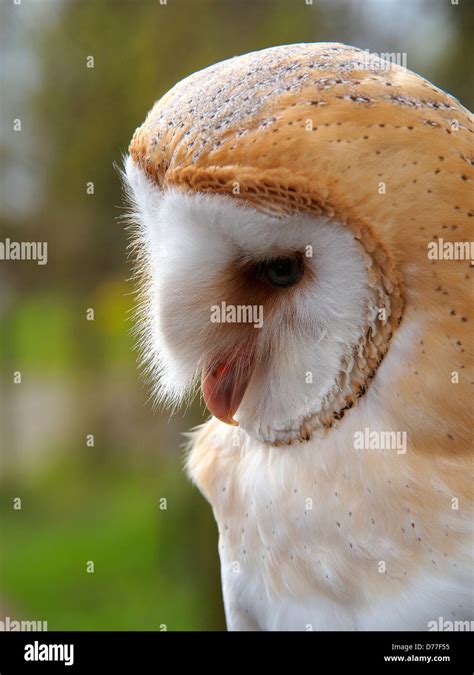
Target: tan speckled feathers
[(249, 120), (326, 128)]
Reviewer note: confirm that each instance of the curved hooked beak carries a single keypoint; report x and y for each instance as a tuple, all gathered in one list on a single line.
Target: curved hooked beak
[(224, 382)]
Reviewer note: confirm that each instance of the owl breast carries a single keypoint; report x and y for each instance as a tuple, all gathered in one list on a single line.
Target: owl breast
[(327, 536)]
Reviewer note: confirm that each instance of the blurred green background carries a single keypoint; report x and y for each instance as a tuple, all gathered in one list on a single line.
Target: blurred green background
[(101, 503)]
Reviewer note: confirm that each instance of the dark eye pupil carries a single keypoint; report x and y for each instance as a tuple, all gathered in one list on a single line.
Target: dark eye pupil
[(283, 271)]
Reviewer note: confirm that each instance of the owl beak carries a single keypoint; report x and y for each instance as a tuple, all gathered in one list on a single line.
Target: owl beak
[(223, 385)]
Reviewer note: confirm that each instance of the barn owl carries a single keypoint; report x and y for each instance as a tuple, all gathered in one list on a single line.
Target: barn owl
[(287, 203)]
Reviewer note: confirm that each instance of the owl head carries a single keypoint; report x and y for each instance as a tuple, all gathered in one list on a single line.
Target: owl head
[(280, 201)]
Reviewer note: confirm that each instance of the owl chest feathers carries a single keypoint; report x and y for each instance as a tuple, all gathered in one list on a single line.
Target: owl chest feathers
[(331, 535)]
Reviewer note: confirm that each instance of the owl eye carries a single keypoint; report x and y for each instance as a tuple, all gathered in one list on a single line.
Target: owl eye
[(282, 271)]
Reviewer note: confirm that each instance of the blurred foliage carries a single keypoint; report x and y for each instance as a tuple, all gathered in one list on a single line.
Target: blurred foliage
[(151, 566), (88, 115), (101, 503)]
